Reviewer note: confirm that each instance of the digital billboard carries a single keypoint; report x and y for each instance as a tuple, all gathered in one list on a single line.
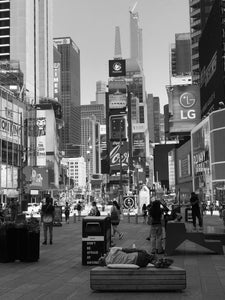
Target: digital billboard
[(211, 62), (118, 150), (184, 108), (117, 67), (200, 144)]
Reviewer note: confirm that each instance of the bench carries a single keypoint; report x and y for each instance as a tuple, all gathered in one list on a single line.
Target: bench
[(143, 279)]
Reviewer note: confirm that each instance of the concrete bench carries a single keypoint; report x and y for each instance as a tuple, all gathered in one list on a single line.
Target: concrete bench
[(143, 279)]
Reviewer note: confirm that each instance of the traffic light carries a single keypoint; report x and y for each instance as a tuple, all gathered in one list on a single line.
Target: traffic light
[(118, 127)]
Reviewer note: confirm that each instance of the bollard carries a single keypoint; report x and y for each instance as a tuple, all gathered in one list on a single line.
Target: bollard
[(136, 218), (128, 217), (74, 218)]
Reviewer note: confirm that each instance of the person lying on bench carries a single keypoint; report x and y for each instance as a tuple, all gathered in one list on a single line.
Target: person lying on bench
[(140, 257)]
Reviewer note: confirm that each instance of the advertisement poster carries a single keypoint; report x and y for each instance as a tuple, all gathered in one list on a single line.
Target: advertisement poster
[(41, 138), (58, 214), (201, 158), (118, 150)]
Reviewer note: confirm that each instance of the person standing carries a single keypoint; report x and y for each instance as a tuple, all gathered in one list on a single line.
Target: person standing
[(94, 210), (67, 213), (115, 219), (47, 217), (144, 213), (156, 213), (79, 208), (195, 209)]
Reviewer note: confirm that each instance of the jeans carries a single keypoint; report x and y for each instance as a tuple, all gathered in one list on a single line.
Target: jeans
[(156, 237), (48, 226), (196, 213)]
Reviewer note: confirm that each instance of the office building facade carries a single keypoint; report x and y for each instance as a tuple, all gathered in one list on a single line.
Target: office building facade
[(70, 95), (27, 37)]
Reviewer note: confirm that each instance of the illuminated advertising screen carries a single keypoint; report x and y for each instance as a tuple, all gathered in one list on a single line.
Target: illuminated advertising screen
[(200, 143), (41, 138), (117, 67), (139, 144), (118, 150), (211, 61), (117, 94), (184, 108)]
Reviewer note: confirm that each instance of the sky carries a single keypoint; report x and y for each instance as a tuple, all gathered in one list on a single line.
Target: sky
[(91, 25)]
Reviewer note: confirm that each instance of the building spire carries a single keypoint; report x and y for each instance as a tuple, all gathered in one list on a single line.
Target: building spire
[(117, 50)]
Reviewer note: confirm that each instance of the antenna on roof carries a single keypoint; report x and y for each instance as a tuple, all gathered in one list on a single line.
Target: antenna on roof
[(131, 11)]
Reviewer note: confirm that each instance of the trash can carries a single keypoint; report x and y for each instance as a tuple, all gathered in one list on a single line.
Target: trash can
[(96, 238), (7, 243), (188, 215)]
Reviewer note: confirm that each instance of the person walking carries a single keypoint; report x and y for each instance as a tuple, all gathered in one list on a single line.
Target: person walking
[(195, 209), (79, 208), (144, 213), (156, 213), (67, 213), (47, 217), (115, 219)]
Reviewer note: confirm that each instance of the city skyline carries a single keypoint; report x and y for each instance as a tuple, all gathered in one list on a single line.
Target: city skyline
[(96, 38)]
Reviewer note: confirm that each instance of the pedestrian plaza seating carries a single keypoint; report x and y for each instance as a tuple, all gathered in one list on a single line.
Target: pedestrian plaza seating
[(176, 234), (141, 279)]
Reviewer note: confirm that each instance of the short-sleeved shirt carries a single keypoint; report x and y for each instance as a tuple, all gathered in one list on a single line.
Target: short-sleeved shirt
[(117, 256)]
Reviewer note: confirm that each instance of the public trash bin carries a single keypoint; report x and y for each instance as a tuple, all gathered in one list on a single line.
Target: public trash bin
[(188, 215), (96, 238), (7, 243)]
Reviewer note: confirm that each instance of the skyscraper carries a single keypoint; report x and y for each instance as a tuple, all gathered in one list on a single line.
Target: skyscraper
[(70, 94), (26, 36), (199, 12)]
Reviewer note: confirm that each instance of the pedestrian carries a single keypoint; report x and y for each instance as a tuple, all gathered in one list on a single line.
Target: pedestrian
[(211, 208), (149, 220), (47, 217), (94, 210), (79, 208), (14, 206), (67, 213), (134, 256), (144, 213), (156, 213), (115, 219), (195, 209), (2, 214)]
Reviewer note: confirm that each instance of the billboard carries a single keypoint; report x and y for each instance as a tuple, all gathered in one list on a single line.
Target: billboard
[(118, 149), (211, 62), (41, 138), (200, 145), (117, 67), (184, 108), (11, 122)]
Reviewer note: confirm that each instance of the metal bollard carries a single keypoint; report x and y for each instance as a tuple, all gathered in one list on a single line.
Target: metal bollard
[(74, 218), (136, 218), (128, 217)]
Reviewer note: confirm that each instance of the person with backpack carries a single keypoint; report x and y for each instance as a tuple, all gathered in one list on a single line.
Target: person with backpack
[(115, 219)]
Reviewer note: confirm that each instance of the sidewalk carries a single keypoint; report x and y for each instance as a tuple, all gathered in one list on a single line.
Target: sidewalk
[(59, 273)]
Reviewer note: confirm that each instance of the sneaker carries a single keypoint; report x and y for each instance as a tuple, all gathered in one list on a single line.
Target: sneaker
[(148, 238), (44, 243), (120, 236)]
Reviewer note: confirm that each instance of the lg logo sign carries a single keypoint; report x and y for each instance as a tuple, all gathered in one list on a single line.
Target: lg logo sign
[(187, 101)]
